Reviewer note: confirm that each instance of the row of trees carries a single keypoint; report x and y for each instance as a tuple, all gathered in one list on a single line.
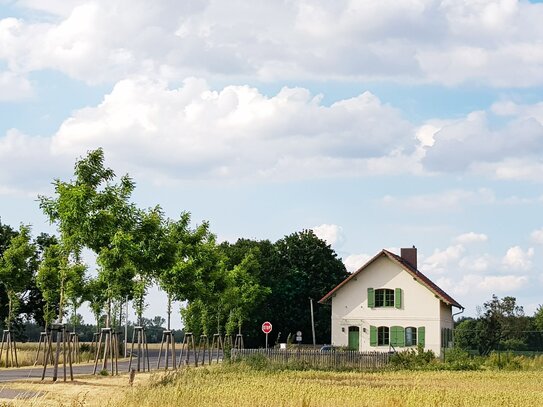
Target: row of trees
[(501, 325), (222, 286)]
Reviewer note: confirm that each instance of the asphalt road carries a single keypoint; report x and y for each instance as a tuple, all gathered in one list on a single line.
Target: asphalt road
[(13, 374)]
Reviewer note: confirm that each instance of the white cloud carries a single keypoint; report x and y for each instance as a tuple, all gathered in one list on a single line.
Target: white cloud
[(14, 87), (537, 236), (440, 260), (471, 143), (518, 259), (26, 162), (355, 261), (482, 285), (331, 234), (476, 263), (471, 237), (238, 132), (489, 42)]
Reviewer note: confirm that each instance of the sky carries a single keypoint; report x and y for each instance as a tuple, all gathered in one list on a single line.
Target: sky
[(376, 123)]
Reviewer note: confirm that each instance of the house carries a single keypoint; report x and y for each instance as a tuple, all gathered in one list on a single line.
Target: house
[(388, 304)]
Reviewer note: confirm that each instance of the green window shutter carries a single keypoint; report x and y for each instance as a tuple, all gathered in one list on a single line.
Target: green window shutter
[(401, 337), (373, 335), (397, 336), (394, 335), (398, 298), (371, 298), (420, 335)]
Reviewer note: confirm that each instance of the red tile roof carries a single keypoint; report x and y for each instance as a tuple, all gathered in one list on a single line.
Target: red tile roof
[(417, 275)]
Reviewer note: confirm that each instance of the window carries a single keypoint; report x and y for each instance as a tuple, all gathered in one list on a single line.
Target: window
[(383, 335), (384, 297), (410, 336), (446, 338)]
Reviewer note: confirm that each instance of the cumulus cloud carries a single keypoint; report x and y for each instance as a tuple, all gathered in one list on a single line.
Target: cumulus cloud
[(483, 285), (26, 162), (14, 87), (490, 42), (438, 262), (331, 234), (537, 236), (238, 132), (355, 261), (518, 259), (471, 143)]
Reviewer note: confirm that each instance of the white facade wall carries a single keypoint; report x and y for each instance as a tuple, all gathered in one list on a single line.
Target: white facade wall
[(420, 307)]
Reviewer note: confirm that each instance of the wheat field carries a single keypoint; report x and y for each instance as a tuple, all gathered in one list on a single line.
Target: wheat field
[(240, 386)]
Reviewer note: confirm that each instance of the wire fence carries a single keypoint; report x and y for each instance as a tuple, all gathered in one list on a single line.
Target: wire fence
[(479, 341), (329, 359)]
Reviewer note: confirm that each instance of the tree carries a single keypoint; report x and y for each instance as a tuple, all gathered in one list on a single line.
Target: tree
[(6, 234), (289, 272), (16, 270), (60, 281), (92, 211), (310, 270), (502, 325), (538, 318), (465, 334)]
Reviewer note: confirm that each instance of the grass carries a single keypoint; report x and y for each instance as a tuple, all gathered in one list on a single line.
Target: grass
[(243, 385), (84, 391), (240, 386)]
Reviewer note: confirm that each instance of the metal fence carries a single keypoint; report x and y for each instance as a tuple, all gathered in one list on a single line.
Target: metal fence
[(331, 359)]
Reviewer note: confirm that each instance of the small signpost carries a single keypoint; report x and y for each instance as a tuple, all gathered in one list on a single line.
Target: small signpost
[(266, 328), (299, 337)]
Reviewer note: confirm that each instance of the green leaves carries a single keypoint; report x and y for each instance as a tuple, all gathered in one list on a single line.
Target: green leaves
[(16, 268)]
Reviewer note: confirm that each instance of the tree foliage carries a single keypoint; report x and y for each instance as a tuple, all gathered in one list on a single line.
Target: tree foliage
[(16, 270), (289, 272)]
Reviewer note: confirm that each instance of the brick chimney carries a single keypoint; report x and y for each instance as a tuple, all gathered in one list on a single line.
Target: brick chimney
[(410, 255)]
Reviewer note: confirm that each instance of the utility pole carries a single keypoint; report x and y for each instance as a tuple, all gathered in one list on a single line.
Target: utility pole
[(312, 322)]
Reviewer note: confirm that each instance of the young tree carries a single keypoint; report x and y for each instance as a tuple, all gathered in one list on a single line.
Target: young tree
[(6, 234), (60, 281), (16, 270), (92, 211)]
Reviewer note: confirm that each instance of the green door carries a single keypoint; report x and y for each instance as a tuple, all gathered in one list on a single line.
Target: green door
[(354, 337)]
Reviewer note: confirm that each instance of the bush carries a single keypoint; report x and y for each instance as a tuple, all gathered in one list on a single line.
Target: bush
[(459, 359), (257, 361), (413, 359), (505, 360)]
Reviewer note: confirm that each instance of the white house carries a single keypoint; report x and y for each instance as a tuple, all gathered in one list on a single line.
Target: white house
[(388, 304)]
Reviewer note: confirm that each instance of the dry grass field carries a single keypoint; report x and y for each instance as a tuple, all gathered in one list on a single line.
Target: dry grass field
[(239, 386), (26, 354)]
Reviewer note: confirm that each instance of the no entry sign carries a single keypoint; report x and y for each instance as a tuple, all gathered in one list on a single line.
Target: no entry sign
[(266, 327)]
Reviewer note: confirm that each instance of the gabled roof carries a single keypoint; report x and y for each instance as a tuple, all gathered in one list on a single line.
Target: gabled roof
[(417, 275)]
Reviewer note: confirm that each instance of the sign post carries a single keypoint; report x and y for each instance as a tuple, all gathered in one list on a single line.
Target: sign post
[(266, 328), (299, 337)]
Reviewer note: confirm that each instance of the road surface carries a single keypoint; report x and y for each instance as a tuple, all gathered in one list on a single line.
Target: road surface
[(13, 374)]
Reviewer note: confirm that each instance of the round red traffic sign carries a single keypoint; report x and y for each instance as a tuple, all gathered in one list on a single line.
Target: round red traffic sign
[(266, 327)]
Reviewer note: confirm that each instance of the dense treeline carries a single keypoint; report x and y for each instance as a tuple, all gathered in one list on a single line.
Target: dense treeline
[(501, 326), (225, 288)]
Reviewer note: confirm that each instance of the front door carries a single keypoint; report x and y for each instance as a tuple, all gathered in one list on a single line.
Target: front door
[(354, 338)]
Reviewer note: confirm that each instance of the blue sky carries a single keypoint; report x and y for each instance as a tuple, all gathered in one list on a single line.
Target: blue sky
[(377, 124)]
